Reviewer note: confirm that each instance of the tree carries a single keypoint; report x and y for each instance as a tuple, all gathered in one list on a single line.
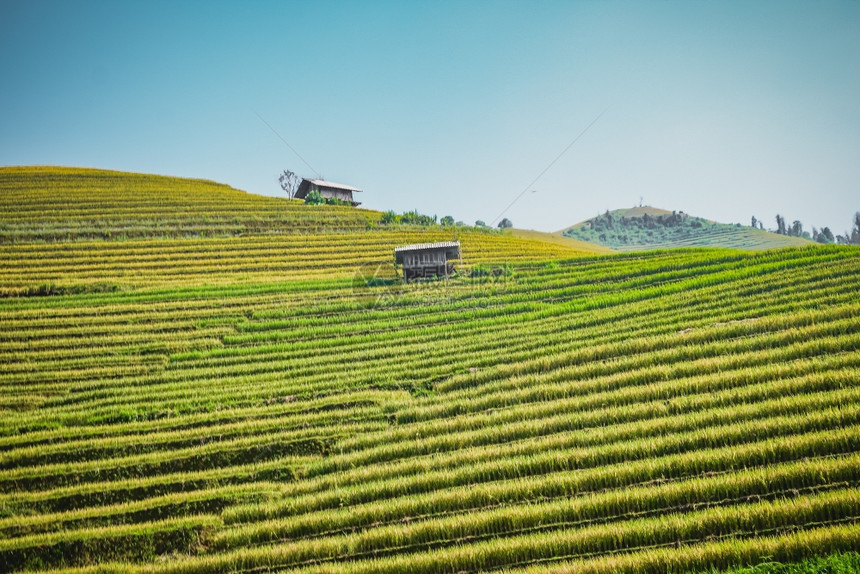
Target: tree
[(647, 221), (855, 232), (480, 223), (505, 223), (754, 222), (289, 183), (826, 235), (447, 220), (780, 224), (796, 229)]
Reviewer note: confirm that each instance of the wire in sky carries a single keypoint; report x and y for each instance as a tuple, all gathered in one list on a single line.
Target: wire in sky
[(319, 176), (558, 157)]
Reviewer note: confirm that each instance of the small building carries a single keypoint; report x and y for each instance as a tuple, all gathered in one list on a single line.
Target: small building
[(427, 259), (327, 189)]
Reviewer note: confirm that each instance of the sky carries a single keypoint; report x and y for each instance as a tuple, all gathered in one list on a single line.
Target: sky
[(721, 109)]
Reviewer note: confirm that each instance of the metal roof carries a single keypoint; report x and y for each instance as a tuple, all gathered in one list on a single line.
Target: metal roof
[(324, 183), (420, 246)]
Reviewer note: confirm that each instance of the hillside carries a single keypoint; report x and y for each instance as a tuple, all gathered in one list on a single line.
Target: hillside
[(559, 239), (72, 204), (642, 228), (256, 404), (120, 231)]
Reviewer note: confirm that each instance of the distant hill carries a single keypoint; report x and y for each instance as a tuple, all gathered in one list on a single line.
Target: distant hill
[(646, 227)]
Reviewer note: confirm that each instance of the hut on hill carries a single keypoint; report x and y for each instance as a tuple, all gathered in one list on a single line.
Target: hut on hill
[(327, 189), (427, 259)]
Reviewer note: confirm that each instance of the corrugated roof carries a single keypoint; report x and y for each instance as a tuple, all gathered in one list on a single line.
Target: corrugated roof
[(324, 183), (419, 246)]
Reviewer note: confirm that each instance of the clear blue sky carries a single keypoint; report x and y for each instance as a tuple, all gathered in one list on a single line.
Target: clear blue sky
[(720, 109)]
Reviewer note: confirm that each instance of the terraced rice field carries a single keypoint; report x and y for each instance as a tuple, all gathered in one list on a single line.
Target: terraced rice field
[(261, 404), (73, 204)]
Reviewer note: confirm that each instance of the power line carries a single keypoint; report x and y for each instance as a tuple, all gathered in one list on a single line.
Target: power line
[(558, 157), (319, 176)]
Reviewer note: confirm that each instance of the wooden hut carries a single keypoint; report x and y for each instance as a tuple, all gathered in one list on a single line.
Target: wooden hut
[(427, 259), (327, 189)]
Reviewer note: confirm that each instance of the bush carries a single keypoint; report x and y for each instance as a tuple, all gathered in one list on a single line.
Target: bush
[(415, 218), (314, 198), (390, 218), (335, 201)]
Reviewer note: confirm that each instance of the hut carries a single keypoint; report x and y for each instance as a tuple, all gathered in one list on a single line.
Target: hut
[(327, 189), (427, 259)]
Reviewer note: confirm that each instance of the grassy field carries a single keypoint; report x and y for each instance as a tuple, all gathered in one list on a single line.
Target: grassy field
[(260, 403), (644, 228)]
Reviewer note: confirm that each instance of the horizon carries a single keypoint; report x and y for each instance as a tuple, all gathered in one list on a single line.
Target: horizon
[(724, 111)]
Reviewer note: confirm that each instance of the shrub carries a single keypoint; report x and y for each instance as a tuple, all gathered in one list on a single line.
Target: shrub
[(415, 218), (390, 218), (335, 201), (314, 198)]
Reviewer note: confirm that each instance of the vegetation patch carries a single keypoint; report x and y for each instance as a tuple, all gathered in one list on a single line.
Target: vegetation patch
[(649, 228)]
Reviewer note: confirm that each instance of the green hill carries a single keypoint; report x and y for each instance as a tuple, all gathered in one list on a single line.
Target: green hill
[(646, 227), (254, 403)]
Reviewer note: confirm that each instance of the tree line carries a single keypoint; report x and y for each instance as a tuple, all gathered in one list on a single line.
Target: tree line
[(823, 235)]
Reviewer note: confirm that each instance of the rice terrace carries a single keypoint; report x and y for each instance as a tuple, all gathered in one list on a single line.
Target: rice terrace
[(197, 380)]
